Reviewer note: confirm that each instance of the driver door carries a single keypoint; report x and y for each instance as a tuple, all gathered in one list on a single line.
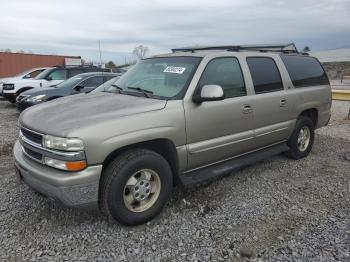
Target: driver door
[(218, 130)]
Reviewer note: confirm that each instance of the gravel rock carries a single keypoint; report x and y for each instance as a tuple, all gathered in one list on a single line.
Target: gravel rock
[(280, 209), (245, 252)]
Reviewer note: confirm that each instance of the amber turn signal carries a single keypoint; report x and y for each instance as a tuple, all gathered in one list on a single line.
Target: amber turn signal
[(76, 165)]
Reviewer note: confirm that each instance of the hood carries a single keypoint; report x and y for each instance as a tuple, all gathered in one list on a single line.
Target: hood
[(59, 116), (4, 80), (24, 82)]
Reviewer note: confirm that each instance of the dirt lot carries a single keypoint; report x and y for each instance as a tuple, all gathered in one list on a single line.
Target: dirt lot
[(277, 210)]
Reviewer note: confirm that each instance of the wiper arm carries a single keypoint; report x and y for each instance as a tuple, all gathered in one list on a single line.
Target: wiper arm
[(118, 87), (145, 92)]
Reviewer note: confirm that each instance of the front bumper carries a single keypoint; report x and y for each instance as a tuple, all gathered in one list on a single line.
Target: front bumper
[(9, 96), (72, 189)]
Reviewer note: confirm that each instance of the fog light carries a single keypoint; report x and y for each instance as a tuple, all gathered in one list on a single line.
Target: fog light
[(65, 165)]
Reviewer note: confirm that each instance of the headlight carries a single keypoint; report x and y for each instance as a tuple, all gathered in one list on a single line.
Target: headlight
[(37, 98), (65, 144)]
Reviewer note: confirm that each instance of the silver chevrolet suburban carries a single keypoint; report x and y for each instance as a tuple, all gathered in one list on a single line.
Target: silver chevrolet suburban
[(179, 118)]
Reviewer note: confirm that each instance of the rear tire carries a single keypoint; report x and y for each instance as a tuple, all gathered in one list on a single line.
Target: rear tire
[(135, 187), (302, 138)]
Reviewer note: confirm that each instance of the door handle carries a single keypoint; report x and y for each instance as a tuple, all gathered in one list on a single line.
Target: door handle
[(283, 102), (246, 109)]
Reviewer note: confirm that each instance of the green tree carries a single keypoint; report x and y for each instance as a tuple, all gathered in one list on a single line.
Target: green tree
[(110, 64)]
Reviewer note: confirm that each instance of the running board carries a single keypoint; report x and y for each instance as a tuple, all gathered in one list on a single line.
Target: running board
[(227, 167)]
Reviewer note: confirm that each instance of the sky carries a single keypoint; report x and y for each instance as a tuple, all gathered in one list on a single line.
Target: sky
[(74, 27)]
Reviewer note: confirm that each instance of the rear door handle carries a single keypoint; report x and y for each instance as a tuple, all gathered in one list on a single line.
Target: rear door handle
[(247, 109), (283, 102)]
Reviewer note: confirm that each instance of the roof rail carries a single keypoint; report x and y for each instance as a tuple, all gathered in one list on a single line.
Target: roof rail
[(284, 48)]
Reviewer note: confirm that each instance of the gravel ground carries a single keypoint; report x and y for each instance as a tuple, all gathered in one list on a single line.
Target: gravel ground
[(276, 210)]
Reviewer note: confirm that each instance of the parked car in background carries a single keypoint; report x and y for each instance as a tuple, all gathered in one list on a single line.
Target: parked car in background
[(28, 74), (184, 117), (49, 77), (82, 83)]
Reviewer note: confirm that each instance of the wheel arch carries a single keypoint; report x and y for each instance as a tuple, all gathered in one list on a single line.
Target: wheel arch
[(312, 113), (23, 89), (163, 146)]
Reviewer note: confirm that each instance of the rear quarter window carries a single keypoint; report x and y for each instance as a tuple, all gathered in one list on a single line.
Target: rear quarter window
[(304, 70)]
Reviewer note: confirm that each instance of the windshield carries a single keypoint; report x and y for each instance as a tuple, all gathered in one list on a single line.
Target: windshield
[(43, 74), (24, 73), (71, 82), (165, 77)]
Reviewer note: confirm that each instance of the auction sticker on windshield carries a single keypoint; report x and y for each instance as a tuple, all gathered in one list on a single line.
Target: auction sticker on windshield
[(174, 69)]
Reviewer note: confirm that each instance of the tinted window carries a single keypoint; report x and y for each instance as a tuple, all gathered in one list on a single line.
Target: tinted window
[(225, 72), (265, 74), (304, 70), (58, 74), (71, 82), (93, 81), (74, 72), (107, 78)]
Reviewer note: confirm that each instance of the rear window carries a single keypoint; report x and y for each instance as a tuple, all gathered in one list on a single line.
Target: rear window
[(304, 70), (265, 74)]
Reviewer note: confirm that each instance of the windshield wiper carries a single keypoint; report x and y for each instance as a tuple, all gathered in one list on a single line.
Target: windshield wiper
[(118, 87), (145, 92)]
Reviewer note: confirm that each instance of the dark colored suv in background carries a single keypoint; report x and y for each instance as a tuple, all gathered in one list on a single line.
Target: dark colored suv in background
[(82, 83)]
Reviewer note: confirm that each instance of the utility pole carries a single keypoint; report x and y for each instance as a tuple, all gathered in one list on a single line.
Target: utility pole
[(99, 48)]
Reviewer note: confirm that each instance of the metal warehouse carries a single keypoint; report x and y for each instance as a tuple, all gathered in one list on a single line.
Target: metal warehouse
[(14, 63)]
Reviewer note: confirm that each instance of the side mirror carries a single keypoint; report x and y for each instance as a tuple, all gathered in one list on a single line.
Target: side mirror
[(78, 88), (209, 93), (49, 78)]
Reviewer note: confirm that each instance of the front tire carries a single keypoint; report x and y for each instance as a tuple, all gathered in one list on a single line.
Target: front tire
[(302, 138), (135, 187)]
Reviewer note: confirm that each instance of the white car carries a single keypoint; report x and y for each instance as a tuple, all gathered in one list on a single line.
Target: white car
[(50, 77), (28, 74)]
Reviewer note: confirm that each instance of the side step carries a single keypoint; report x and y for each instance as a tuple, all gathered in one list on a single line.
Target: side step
[(227, 167)]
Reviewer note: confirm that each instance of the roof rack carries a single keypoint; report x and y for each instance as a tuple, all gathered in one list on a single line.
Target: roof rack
[(283, 48)]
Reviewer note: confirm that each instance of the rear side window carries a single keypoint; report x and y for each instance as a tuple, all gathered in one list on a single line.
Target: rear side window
[(304, 70), (265, 74), (225, 72)]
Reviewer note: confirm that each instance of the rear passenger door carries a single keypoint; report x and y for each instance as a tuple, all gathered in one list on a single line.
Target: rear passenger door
[(218, 130), (272, 116)]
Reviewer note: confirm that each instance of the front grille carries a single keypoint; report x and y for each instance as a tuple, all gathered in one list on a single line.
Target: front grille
[(32, 136), (8, 86), (33, 154)]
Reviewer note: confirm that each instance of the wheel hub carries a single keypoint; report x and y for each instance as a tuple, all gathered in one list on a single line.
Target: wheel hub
[(303, 138), (142, 189)]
